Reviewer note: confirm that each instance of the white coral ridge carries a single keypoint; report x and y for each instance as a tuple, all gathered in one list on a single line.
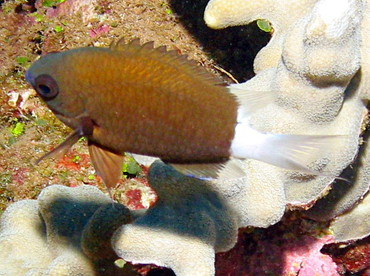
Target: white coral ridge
[(312, 65), (353, 225), (60, 233)]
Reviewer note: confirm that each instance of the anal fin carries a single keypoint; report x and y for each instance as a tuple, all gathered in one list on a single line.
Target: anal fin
[(108, 165), (211, 171), (142, 159)]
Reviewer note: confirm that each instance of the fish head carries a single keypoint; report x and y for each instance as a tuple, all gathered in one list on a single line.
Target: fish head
[(53, 78)]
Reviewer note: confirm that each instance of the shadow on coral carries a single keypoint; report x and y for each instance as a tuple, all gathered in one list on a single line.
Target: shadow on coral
[(78, 223), (68, 218), (234, 49), (325, 208), (161, 272), (353, 85), (190, 220), (187, 206)]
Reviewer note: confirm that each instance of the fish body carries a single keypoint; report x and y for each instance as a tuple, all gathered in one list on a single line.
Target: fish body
[(144, 100)]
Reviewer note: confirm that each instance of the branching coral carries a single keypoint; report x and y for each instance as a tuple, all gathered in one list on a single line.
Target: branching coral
[(312, 65), (221, 14), (344, 195)]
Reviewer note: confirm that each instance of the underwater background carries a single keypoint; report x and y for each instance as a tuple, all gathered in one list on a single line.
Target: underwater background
[(29, 29)]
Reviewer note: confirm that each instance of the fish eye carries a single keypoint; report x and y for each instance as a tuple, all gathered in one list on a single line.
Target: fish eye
[(46, 87)]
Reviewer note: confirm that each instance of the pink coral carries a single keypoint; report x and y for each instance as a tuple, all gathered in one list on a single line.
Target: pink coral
[(303, 257), (84, 7), (284, 249), (298, 256), (102, 29)]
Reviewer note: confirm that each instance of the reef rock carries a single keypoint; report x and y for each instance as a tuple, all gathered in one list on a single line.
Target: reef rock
[(312, 65)]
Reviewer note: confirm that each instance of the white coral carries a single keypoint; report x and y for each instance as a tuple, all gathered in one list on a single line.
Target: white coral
[(49, 236), (312, 64), (183, 230)]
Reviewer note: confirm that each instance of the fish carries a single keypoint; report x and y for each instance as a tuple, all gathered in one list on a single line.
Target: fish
[(146, 100)]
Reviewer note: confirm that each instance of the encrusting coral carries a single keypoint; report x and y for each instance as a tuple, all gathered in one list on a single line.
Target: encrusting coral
[(353, 225), (183, 230), (69, 231), (312, 66), (65, 232)]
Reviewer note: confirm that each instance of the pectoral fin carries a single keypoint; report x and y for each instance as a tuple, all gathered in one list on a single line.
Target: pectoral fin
[(108, 165), (62, 149)]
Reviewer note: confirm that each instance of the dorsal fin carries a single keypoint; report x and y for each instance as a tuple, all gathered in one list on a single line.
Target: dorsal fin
[(148, 45), (134, 47)]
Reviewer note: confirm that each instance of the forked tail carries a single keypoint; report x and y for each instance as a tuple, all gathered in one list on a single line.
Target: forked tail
[(293, 152)]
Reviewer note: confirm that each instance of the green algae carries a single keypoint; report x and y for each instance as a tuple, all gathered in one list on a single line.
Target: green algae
[(264, 25), (51, 3), (58, 29), (130, 167), (18, 129), (22, 60)]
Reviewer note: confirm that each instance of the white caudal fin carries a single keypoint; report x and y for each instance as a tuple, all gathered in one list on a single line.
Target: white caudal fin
[(292, 152)]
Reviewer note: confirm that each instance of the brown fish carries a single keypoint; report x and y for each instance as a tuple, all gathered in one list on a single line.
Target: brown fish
[(144, 100)]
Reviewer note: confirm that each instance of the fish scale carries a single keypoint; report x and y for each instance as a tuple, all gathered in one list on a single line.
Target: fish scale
[(150, 101)]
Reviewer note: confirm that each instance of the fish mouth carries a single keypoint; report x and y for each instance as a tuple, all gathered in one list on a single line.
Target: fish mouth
[(74, 122)]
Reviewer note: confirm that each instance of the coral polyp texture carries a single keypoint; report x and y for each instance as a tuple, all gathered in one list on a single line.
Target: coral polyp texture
[(183, 230), (80, 231), (313, 65), (353, 225), (61, 233)]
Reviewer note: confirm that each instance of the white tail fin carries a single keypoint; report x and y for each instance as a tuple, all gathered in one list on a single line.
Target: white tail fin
[(293, 152), (252, 100)]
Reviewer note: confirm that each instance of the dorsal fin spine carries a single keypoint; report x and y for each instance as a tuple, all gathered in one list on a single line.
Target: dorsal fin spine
[(136, 48)]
